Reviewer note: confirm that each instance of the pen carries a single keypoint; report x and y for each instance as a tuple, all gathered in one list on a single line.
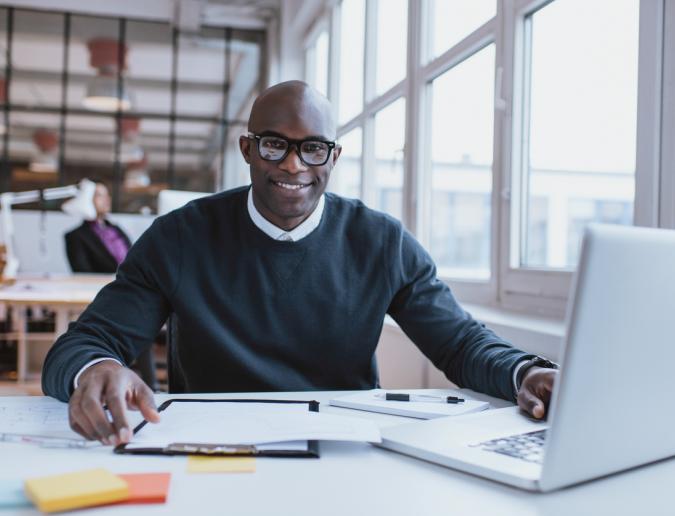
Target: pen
[(399, 396)]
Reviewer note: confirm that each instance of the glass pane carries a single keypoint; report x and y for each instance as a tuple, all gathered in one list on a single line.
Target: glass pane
[(93, 63), (201, 73), (352, 41), (150, 62), (392, 42), (389, 147), (583, 108), (37, 57), (90, 148), (33, 153), (245, 73), (317, 63), (461, 167), (236, 169), (345, 179), (197, 156), (142, 179), (453, 20)]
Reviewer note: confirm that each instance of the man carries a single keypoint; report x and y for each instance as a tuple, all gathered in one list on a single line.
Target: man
[(97, 245), (275, 287)]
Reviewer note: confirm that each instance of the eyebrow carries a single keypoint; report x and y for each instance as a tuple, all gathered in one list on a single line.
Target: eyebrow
[(310, 137)]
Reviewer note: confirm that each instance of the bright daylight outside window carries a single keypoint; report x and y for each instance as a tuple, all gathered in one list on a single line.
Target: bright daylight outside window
[(352, 44), (461, 168), (580, 164), (392, 29), (317, 63), (389, 144), (452, 20), (345, 179)]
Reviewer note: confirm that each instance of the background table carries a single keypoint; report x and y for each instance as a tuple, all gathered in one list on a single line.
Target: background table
[(349, 479), (67, 295)]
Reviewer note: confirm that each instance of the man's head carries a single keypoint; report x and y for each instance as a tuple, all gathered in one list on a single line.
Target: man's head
[(287, 190)]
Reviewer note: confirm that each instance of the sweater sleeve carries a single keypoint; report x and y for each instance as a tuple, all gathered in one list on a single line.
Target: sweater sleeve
[(125, 316), (467, 352)]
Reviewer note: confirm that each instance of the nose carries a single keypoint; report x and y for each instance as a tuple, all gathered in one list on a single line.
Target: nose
[(292, 162)]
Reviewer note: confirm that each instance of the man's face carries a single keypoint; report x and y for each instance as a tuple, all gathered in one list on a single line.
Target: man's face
[(287, 191)]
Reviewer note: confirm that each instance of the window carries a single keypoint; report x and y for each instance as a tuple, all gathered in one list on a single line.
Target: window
[(346, 176), (392, 27), (389, 146), (453, 20), (352, 45), (316, 63), (496, 130), (462, 123), (156, 115), (581, 127)]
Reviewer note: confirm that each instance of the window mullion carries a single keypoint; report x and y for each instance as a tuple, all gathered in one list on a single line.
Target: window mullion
[(668, 117), (650, 70)]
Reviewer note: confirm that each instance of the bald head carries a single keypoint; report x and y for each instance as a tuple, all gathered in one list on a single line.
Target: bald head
[(293, 107)]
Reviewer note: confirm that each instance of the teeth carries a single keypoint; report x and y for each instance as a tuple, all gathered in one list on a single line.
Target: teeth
[(289, 186)]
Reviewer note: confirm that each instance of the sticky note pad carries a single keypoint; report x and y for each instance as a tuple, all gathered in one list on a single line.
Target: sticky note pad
[(12, 496), (202, 464), (76, 490), (147, 487)]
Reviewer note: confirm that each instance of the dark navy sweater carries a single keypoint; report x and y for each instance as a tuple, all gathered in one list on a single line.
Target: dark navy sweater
[(257, 314)]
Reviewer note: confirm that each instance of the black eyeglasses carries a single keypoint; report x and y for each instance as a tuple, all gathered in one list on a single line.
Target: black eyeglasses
[(312, 152)]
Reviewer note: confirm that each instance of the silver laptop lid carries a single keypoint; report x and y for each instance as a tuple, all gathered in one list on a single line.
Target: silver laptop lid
[(613, 406)]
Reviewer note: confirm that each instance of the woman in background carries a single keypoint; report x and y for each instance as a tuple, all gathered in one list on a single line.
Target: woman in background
[(97, 245)]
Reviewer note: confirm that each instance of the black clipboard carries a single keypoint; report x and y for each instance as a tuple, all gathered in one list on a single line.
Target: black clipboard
[(223, 449)]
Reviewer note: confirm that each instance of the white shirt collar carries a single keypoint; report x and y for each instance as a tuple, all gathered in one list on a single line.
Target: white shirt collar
[(297, 233)]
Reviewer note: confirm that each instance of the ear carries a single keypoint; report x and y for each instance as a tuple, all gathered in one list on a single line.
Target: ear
[(245, 148), (336, 153)]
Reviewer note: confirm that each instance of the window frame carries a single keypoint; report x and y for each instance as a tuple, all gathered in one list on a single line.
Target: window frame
[(539, 291)]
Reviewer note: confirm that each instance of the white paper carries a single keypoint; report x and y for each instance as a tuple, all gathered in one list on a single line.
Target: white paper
[(367, 400), (250, 423), (41, 420)]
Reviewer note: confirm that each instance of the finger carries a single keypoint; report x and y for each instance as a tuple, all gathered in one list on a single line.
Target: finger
[(531, 404), (92, 408), (115, 400), (145, 401), (77, 420)]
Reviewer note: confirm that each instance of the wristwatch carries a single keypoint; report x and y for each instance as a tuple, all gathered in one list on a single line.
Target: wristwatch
[(536, 361)]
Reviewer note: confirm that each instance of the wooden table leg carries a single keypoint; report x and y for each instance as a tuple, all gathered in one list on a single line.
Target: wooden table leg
[(20, 320)]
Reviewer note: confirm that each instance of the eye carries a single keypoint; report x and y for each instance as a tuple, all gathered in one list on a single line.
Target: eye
[(313, 147)]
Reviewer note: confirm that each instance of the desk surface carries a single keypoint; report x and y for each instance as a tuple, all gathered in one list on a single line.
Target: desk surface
[(349, 479), (66, 289)]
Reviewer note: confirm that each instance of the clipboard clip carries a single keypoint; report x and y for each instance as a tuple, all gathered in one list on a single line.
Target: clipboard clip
[(212, 449)]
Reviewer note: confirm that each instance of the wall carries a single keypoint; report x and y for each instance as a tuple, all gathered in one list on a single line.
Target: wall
[(39, 239)]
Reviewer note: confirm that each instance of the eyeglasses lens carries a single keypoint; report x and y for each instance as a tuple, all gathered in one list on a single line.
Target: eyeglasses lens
[(273, 148)]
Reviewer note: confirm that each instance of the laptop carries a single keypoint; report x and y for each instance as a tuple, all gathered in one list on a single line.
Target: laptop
[(611, 408)]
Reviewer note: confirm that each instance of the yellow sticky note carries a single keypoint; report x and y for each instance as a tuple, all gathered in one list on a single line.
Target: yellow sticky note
[(76, 490), (203, 464)]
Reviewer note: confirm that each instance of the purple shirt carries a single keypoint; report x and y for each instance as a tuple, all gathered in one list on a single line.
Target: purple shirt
[(112, 240)]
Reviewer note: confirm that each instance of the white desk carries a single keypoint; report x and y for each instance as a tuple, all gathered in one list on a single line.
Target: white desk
[(349, 479), (67, 295)]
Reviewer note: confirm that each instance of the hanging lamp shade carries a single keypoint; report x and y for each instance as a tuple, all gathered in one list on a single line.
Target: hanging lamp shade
[(45, 161), (103, 91)]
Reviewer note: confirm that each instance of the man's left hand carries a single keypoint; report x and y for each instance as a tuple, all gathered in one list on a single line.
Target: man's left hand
[(535, 391)]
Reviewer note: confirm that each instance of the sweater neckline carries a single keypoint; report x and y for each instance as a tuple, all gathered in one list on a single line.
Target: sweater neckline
[(262, 238)]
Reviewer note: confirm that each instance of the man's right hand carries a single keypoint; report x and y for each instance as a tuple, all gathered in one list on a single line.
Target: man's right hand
[(109, 384)]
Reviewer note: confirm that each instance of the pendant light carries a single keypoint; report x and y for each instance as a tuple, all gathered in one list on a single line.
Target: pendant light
[(103, 92)]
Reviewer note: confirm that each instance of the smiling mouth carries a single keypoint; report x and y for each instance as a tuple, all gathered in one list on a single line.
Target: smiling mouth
[(291, 186)]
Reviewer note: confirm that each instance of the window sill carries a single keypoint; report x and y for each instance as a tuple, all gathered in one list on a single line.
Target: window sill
[(532, 333)]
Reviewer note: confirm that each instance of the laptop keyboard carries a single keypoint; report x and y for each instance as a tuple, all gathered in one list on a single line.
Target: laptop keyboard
[(529, 446)]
